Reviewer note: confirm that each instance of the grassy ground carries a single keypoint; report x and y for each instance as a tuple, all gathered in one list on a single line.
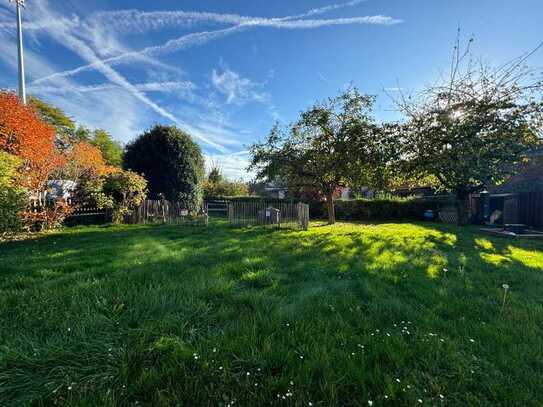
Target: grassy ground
[(346, 315)]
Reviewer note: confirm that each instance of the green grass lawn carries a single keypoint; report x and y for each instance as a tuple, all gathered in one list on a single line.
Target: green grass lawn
[(390, 314)]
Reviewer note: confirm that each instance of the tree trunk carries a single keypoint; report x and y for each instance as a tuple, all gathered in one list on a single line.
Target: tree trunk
[(330, 209)]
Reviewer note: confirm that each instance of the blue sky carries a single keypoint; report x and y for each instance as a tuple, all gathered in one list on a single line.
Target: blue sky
[(225, 71)]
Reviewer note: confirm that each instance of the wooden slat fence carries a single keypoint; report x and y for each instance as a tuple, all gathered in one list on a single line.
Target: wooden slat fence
[(166, 212), (530, 209), (271, 214)]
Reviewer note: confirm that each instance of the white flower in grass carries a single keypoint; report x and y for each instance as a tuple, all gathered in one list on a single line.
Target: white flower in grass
[(398, 380), (472, 340), (370, 403), (441, 396), (420, 401), (505, 286), (248, 373)]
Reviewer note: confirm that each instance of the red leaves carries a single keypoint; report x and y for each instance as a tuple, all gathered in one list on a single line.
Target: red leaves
[(84, 159), (24, 134)]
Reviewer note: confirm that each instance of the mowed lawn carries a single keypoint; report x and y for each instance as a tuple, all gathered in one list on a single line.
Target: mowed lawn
[(347, 315)]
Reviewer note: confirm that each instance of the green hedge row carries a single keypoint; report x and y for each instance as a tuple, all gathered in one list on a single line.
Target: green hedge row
[(379, 209)]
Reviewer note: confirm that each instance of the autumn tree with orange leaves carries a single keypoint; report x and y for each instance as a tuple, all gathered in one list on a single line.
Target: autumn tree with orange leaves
[(24, 134), (84, 160)]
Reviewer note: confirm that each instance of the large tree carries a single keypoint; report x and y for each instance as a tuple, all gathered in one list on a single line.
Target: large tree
[(332, 144), (472, 129), (171, 162)]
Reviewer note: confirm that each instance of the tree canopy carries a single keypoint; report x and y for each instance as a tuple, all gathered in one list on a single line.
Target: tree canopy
[(24, 134), (171, 162), (111, 149), (331, 145), (472, 129)]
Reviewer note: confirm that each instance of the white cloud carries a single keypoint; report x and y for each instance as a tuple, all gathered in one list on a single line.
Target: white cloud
[(200, 38), (137, 21), (237, 90), (233, 166), (70, 41), (120, 104), (182, 87)]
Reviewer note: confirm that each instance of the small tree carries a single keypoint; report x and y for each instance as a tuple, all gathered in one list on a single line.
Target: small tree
[(471, 130), (120, 191), (127, 190), (331, 144), (171, 162), (215, 175), (216, 185)]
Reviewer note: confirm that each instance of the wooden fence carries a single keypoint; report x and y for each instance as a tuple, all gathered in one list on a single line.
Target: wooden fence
[(509, 208), (272, 214), (530, 209), (166, 212)]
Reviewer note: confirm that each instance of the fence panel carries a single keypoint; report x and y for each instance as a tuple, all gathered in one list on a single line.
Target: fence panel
[(269, 214), (165, 212), (530, 209)]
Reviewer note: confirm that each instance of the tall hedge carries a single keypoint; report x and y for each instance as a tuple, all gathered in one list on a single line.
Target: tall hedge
[(171, 162)]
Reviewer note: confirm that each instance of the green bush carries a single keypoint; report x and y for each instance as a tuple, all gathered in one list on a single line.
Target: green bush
[(13, 198)]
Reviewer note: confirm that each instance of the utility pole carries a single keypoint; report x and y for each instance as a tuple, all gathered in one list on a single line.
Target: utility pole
[(22, 88)]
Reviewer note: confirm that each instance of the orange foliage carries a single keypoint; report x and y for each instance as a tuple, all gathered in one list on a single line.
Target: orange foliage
[(24, 134), (84, 159)]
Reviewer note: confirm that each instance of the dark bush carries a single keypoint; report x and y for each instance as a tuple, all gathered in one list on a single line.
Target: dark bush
[(171, 162)]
